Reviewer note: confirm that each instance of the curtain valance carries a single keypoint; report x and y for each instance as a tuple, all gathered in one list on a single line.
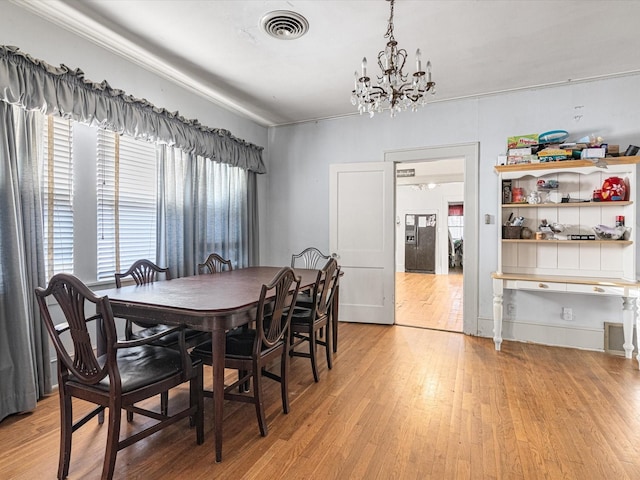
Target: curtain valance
[(36, 85)]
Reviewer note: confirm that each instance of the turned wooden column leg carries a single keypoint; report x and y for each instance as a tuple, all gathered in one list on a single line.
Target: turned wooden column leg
[(497, 313), (628, 317)]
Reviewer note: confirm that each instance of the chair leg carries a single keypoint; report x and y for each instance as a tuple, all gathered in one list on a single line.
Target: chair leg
[(164, 403), (284, 380), (312, 354), (334, 333), (246, 386), (257, 398), (327, 348), (113, 437), (66, 430), (334, 319)]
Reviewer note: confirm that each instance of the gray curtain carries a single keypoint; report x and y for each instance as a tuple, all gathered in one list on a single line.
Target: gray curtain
[(204, 207), (24, 348), (36, 85)]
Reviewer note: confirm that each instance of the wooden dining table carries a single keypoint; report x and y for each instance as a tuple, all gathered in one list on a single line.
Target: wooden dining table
[(213, 303)]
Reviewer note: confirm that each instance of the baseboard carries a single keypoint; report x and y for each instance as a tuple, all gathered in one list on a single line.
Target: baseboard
[(585, 338)]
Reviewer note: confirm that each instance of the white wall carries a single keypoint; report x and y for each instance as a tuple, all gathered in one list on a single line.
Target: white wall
[(411, 199), (300, 155)]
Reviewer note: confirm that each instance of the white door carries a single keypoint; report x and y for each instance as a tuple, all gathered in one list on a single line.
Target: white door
[(362, 234)]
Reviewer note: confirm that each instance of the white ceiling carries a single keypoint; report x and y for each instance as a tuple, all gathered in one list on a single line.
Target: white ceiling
[(477, 47)]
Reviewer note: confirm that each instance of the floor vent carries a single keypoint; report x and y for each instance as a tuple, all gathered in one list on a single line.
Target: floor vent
[(614, 339)]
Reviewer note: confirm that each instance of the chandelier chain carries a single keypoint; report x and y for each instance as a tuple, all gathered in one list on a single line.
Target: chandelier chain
[(389, 33)]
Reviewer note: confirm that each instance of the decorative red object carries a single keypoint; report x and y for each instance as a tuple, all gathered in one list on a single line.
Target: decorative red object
[(614, 189)]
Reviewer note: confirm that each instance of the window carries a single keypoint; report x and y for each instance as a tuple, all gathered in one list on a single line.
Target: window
[(126, 202), (101, 207), (57, 195), (455, 221)]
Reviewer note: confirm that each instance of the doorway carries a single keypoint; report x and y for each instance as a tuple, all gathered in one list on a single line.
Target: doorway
[(439, 178), (429, 278)]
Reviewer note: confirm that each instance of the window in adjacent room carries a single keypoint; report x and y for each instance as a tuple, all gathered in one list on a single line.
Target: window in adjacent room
[(455, 221)]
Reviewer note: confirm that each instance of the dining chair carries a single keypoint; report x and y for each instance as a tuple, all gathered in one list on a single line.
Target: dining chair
[(127, 373), (309, 319), (214, 264), (252, 350), (143, 272), (308, 258)]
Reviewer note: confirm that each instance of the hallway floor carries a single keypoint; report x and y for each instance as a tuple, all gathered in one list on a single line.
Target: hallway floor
[(426, 300)]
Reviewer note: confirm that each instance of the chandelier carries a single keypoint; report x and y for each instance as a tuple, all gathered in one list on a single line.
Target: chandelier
[(393, 90)]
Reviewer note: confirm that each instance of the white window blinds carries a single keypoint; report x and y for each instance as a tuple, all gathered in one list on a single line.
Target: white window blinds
[(57, 190), (126, 190)]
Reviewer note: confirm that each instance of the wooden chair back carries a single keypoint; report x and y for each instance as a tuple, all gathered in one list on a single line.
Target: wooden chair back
[(214, 264), (325, 283), (143, 272), (309, 258), (275, 307), (78, 358)]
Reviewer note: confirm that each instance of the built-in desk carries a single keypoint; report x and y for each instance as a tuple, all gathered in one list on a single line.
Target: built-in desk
[(627, 290)]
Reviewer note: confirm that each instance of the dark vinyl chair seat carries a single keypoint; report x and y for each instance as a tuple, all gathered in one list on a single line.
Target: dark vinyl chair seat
[(239, 344), (192, 337), (127, 373)]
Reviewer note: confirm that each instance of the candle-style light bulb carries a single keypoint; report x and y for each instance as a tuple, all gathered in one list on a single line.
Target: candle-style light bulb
[(429, 71), (364, 66), (418, 61)]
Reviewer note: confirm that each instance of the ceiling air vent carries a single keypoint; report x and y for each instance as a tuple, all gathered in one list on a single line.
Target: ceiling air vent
[(285, 25)]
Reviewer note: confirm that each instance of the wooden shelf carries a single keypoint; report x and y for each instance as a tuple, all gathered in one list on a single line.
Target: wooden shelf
[(522, 167), (566, 205), (600, 281), (569, 242)]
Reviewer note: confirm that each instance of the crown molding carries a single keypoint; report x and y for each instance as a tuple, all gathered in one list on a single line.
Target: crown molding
[(65, 16)]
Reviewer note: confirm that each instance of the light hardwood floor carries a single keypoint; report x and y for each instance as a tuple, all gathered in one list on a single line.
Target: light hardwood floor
[(400, 403), (426, 300)]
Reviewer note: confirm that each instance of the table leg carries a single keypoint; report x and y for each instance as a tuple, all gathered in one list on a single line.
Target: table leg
[(218, 351)]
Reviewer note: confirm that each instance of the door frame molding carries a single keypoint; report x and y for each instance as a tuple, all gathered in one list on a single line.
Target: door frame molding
[(471, 154)]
